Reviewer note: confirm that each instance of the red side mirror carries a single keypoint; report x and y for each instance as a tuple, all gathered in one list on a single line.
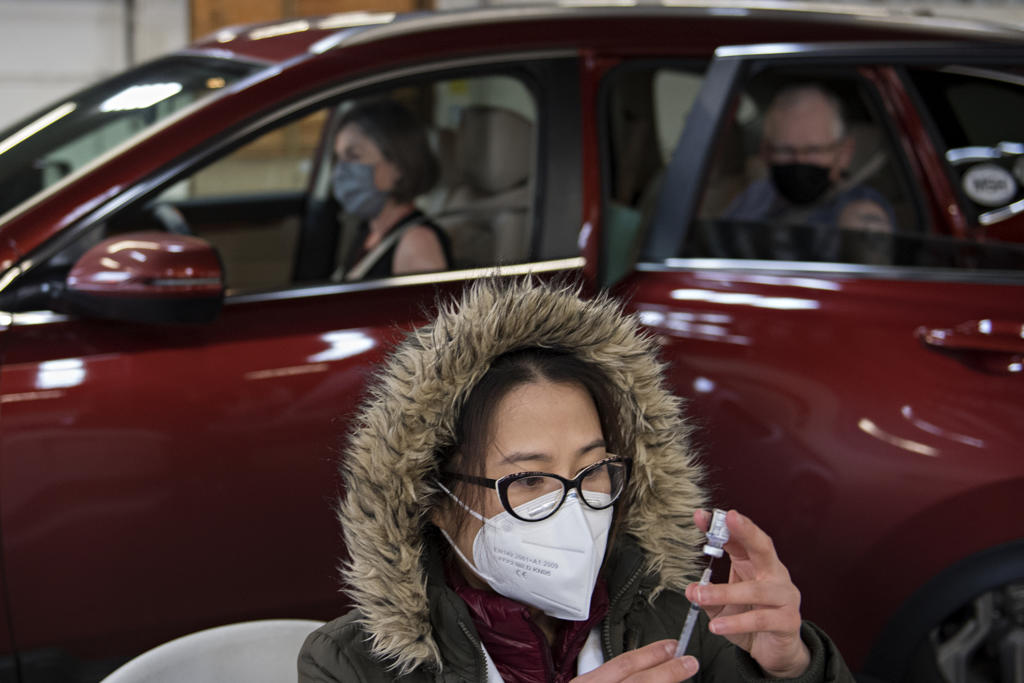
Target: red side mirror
[(148, 277)]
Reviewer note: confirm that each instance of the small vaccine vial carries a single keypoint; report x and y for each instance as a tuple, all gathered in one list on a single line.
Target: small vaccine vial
[(718, 534)]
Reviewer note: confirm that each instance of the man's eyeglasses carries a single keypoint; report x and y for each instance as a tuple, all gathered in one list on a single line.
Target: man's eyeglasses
[(789, 153), (533, 496)]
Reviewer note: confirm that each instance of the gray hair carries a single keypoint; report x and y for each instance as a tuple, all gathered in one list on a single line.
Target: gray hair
[(797, 94)]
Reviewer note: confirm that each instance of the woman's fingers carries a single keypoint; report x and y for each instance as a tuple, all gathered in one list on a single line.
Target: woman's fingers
[(702, 518), (747, 541), (759, 608), (654, 663), (769, 593), (780, 621)]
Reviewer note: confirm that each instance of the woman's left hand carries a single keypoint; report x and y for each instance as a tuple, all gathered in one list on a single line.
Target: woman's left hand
[(759, 609)]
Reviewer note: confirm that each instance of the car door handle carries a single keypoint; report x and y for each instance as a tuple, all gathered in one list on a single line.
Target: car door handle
[(990, 345)]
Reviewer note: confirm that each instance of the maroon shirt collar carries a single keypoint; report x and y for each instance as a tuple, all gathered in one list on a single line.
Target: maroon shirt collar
[(515, 643)]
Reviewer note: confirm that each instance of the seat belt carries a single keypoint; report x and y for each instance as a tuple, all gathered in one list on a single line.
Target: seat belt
[(369, 260)]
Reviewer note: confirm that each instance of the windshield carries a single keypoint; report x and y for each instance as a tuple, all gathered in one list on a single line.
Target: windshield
[(43, 148)]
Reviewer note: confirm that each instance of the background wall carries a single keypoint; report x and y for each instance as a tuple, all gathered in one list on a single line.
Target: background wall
[(49, 48), (210, 15)]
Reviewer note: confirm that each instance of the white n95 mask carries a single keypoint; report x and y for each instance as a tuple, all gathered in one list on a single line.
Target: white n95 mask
[(551, 564)]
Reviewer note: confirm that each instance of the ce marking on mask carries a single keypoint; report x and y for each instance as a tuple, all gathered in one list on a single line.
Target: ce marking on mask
[(523, 565)]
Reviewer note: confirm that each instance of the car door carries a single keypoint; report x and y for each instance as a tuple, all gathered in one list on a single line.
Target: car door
[(862, 406), (157, 478)]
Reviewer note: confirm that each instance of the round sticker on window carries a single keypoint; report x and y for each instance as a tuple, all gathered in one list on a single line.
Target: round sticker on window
[(989, 185)]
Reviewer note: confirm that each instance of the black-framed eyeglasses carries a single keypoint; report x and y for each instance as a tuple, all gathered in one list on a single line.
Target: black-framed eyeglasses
[(533, 496), (789, 153)]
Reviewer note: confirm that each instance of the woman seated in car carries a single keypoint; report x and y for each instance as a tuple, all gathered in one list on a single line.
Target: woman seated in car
[(383, 163)]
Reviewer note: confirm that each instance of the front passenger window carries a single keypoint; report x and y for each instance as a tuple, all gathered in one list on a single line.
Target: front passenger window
[(297, 204), (465, 162), (251, 204), (485, 133)]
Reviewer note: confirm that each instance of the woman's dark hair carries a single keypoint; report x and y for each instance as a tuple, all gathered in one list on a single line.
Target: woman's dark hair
[(510, 370), (402, 140)]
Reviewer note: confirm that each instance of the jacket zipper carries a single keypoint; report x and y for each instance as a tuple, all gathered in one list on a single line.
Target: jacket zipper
[(480, 660), (606, 629)]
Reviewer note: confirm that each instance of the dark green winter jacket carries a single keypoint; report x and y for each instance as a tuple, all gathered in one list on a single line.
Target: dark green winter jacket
[(338, 651)]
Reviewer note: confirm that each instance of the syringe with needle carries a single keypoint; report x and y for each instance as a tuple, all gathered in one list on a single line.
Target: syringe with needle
[(718, 536)]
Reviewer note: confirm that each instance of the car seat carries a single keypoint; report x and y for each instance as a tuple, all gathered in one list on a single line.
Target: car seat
[(252, 651), (486, 212)]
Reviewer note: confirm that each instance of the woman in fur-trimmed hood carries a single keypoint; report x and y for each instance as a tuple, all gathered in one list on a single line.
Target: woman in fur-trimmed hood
[(522, 504)]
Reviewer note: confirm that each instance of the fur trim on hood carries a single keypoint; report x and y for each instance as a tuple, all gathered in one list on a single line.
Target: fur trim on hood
[(409, 415)]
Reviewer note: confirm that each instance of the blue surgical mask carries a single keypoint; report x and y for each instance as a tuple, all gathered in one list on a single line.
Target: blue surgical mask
[(353, 186)]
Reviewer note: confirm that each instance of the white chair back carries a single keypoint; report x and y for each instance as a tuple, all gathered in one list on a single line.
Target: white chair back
[(254, 651)]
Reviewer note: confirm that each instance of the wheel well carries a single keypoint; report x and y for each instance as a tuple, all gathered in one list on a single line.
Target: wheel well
[(953, 587)]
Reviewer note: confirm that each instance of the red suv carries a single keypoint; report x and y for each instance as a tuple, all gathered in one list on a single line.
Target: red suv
[(863, 405)]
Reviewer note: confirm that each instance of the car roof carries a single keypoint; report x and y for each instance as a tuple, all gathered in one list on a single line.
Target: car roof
[(288, 39)]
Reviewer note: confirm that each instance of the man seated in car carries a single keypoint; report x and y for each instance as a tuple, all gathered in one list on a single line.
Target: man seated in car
[(808, 151)]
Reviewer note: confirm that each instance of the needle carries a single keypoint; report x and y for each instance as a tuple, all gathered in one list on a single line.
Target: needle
[(691, 617)]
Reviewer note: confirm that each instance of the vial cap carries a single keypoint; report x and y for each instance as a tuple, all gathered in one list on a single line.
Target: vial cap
[(713, 551)]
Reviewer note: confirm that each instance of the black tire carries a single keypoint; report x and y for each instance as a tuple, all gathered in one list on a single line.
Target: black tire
[(910, 647)]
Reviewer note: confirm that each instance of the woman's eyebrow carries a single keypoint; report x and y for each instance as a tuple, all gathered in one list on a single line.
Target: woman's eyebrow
[(517, 457)]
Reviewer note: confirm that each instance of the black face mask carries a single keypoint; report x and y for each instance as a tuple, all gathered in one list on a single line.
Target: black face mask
[(800, 183)]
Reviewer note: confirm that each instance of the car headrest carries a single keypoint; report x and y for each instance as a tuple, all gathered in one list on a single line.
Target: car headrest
[(494, 148)]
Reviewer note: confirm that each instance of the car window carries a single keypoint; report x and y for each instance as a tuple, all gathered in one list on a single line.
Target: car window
[(976, 113), (269, 207), (251, 204), (646, 107), (484, 131), (40, 150), (806, 170)]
